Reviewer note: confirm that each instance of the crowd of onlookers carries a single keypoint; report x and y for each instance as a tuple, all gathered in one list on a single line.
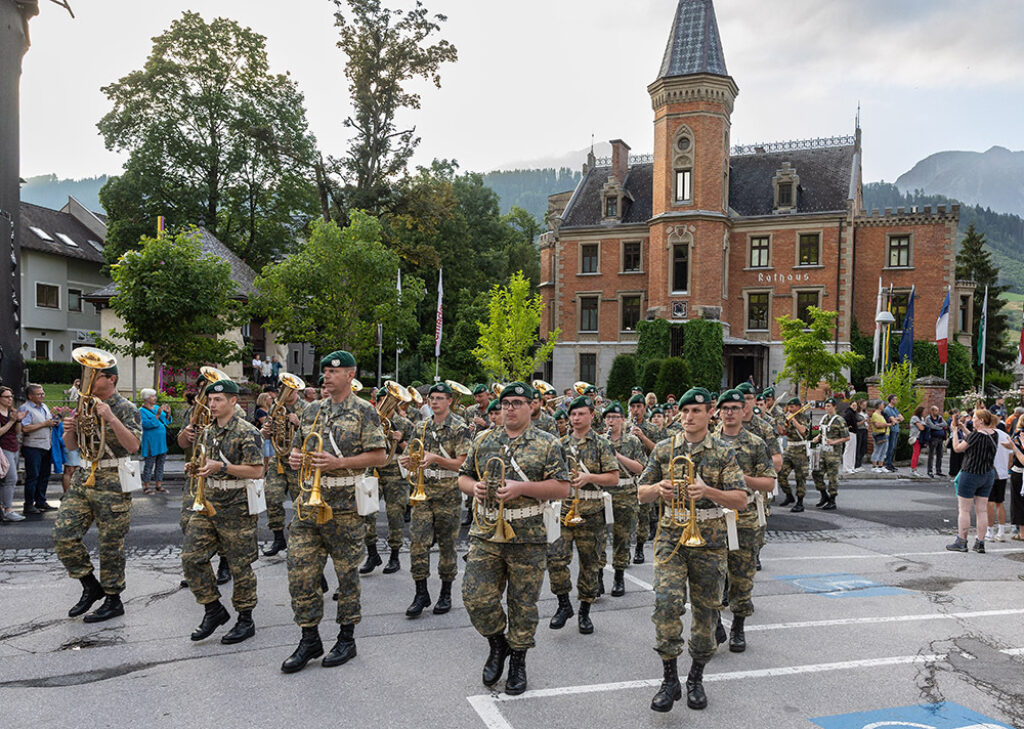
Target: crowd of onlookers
[(265, 370)]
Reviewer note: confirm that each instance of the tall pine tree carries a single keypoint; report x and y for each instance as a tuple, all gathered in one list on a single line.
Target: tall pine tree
[(974, 263)]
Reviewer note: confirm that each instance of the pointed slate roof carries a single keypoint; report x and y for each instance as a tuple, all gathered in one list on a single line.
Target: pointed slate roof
[(694, 46)]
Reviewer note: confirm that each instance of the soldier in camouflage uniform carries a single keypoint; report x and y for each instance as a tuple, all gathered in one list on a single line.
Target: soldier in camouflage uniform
[(394, 488), (595, 469), (534, 473), (758, 425), (494, 416), (798, 429), (476, 414), (95, 495), (775, 414), (539, 418), (561, 422), (648, 433), (445, 439), (832, 436), (598, 422), (631, 457), (282, 481), (352, 442), (755, 462), (719, 483), (234, 459)]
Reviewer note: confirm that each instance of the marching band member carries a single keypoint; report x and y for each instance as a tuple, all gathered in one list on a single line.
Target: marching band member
[(282, 480), (833, 433), (797, 431), (631, 457)]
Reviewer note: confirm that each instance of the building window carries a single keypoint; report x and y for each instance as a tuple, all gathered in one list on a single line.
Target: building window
[(74, 299), (680, 268), (898, 303), (804, 301), (631, 256), (611, 207), (588, 314), (810, 249), (965, 308), (47, 296), (899, 251), (757, 310), (684, 181), (759, 252), (588, 367), (588, 258), (42, 349), (630, 312), (785, 195)]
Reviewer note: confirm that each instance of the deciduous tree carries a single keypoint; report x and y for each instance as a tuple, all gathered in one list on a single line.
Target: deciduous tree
[(808, 360), (510, 347)]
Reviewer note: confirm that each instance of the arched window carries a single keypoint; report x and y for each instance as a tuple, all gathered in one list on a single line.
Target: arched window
[(682, 166)]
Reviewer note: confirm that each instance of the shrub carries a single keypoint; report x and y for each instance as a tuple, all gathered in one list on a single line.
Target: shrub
[(673, 377), (650, 374), (44, 370), (622, 378), (703, 351), (653, 340)]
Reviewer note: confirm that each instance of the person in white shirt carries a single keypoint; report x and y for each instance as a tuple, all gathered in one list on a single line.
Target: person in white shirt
[(257, 369), (996, 507)]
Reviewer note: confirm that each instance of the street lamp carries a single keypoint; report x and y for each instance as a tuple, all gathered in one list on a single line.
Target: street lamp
[(886, 319)]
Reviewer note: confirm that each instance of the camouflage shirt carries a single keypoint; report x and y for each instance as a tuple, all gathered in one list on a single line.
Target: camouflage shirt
[(403, 425), (546, 423), (649, 429), (792, 434), (833, 430), (472, 412), (537, 454), (107, 478), (630, 447), (755, 461), (777, 417), (765, 431), (451, 436), (596, 453), (238, 443)]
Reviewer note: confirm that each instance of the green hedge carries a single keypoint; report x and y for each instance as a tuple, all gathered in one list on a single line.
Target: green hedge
[(650, 374), (673, 377), (622, 378), (653, 341), (44, 370), (703, 351)]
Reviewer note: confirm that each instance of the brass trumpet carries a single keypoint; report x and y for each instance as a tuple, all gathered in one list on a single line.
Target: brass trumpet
[(198, 483), (309, 480), (691, 536), (573, 517), (281, 430), (494, 478), (417, 451), (89, 428)]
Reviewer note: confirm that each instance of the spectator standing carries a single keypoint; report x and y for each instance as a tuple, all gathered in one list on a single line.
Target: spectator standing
[(267, 369), (894, 418), (1016, 484), (850, 450), (999, 409), (938, 430), (257, 369), (880, 434), (997, 498), (10, 427), (73, 393), (974, 482), (275, 368), (863, 422), (37, 424), (1013, 421), (155, 420), (918, 438), (264, 403)]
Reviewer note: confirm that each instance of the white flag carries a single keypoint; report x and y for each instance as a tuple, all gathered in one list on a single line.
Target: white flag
[(440, 311)]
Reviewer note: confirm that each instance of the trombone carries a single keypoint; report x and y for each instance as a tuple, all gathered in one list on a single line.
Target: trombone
[(573, 517), (198, 483), (417, 451), (90, 431), (790, 416), (494, 478), (281, 431), (308, 474), (690, 536)]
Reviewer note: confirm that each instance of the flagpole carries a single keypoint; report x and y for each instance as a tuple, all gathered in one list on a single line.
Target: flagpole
[(984, 340), (945, 365), (439, 324), (398, 349)]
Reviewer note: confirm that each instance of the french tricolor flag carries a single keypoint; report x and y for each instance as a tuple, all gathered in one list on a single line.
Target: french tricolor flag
[(942, 331)]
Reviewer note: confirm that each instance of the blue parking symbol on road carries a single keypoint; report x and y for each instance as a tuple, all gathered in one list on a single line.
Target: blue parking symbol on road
[(840, 584), (944, 715)]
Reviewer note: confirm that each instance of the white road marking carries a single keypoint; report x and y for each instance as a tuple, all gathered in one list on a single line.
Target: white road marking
[(635, 580), (886, 619), (878, 556)]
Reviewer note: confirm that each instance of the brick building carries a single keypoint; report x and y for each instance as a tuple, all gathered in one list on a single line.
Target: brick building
[(744, 234)]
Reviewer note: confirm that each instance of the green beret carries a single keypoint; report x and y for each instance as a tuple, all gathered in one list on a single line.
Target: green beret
[(746, 388), (477, 389), (493, 405), (382, 392), (536, 394), (768, 392), (733, 395), (695, 396), (320, 381), (561, 414), (757, 410), (714, 395), (225, 387), (517, 389), (637, 389), (338, 358), (441, 387), (583, 401), (637, 399), (112, 370), (590, 390), (613, 408), (794, 401), (657, 410), (831, 401)]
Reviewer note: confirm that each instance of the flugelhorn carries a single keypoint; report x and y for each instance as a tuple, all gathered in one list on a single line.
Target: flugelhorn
[(493, 478), (89, 429), (573, 517), (310, 492), (281, 430), (394, 395), (680, 481), (198, 483)]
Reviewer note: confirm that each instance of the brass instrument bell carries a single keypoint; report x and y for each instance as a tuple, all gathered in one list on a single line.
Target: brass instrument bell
[(309, 481), (494, 478), (89, 428), (573, 517)]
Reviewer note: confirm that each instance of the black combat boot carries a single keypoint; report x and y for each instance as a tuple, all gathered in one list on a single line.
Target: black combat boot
[(421, 601), (278, 545), (695, 696), (798, 506), (216, 615), (91, 592), (830, 505), (563, 613), (515, 684), (758, 562), (787, 501), (586, 626), (670, 691), (444, 600), (223, 572), (619, 584), (393, 564), (737, 640), (372, 560), (309, 648), (495, 665), (110, 608), (638, 556), (344, 649), (244, 629), (823, 500), (600, 582), (720, 635)]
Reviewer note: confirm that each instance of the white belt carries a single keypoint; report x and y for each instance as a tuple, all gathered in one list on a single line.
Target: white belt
[(702, 514), (337, 482), (439, 473), (228, 483), (106, 463), (591, 495), (626, 481), (758, 498), (516, 514)]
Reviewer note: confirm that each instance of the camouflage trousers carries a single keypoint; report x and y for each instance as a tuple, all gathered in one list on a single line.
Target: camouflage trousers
[(513, 570), (643, 522), (279, 486), (624, 509), (111, 510), (702, 570), (309, 546), (395, 491), (743, 568), (795, 460), (586, 537), (435, 520), (829, 470), (230, 532)]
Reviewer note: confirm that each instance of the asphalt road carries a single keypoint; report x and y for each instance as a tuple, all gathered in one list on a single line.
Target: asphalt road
[(862, 620)]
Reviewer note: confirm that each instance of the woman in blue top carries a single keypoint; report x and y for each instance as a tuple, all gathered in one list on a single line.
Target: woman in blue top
[(154, 440)]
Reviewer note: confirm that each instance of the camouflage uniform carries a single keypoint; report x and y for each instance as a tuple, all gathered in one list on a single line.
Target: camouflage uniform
[(776, 417), (546, 423), (103, 503), (644, 513), (395, 490), (764, 430), (231, 532), (831, 456), (597, 424), (518, 564), (795, 458), (282, 481), (702, 568), (472, 412), (437, 518), (596, 453), (354, 427), (624, 505), (755, 461)]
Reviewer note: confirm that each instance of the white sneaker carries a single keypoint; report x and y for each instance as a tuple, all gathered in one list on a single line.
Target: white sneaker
[(1000, 536), (915, 474), (12, 515)]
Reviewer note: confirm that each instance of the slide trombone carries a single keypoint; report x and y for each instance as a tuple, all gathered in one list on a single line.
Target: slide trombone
[(790, 416)]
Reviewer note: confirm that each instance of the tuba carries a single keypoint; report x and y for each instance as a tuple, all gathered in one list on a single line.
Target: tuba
[(573, 518), (681, 479), (310, 494), (417, 450), (394, 395), (89, 429), (581, 387), (494, 478), (357, 386), (496, 389), (200, 419), (282, 431), (546, 388), (461, 390), (197, 483)]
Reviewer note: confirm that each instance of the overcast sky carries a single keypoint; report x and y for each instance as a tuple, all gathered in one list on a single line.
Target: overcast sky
[(535, 78)]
